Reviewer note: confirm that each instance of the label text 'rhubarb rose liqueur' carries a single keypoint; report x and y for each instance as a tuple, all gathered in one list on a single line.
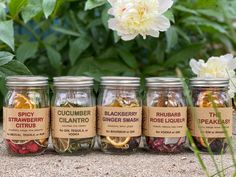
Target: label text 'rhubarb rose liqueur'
[(164, 115)]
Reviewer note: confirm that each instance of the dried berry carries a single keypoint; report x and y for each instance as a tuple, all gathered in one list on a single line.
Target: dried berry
[(164, 104)]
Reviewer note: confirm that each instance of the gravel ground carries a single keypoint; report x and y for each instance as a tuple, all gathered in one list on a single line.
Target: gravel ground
[(98, 164)]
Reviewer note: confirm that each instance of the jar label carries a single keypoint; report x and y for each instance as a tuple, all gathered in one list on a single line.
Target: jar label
[(210, 121), (26, 124), (165, 122), (73, 122), (119, 121)]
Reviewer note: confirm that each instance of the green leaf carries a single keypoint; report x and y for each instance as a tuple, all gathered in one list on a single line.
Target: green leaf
[(15, 6), (172, 38), (48, 7), (26, 51), (185, 9), (2, 11), (169, 14), (5, 57), (183, 55), (7, 33), (91, 4), (65, 31), (77, 47), (14, 67), (128, 58), (198, 21), (31, 10), (54, 57)]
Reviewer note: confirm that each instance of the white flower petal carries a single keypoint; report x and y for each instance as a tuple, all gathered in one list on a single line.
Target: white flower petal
[(139, 17), (164, 5), (162, 23), (196, 66), (153, 33), (112, 23), (128, 37)]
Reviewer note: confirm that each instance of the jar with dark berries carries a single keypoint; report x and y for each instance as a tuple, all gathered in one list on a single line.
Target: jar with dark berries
[(164, 115)]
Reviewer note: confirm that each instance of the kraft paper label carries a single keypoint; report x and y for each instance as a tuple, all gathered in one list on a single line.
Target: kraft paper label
[(77, 122), (26, 124), (166, 122), (209, 121), (119, 122)]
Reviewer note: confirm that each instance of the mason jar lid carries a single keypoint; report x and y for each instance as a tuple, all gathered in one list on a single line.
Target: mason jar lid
[(70, 81), (163, 82), (21, 81), (209, 82), (120, 81)]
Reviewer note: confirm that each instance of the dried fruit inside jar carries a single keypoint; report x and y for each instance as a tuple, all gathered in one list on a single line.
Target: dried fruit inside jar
[(26, 115), (212, 107), (73, 115), (204, 98), (119, 115), (165, 110)]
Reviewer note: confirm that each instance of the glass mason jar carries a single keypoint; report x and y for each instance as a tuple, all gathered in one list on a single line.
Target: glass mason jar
[(73, 115), (119, 115), (212, 107), (26, 115), (164, 115)]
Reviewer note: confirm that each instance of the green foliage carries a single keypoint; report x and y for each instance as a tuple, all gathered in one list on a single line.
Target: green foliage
[(71, 37)]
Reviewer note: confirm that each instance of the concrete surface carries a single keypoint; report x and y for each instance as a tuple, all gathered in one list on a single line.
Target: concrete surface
[(98, 164)]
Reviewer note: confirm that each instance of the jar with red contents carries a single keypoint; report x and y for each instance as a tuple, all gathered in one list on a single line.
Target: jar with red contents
[(164, 115), (26, 115)]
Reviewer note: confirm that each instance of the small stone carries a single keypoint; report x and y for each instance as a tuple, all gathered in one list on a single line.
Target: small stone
[(183, 158)]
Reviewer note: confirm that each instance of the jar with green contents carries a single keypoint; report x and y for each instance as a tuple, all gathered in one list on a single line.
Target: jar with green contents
[(119, 115), (73, 115)]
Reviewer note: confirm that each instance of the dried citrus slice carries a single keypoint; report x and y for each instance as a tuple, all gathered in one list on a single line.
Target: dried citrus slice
[(22, 102), (209, 140), (118, 141), (61, 144), (19, 141), (41, 142)]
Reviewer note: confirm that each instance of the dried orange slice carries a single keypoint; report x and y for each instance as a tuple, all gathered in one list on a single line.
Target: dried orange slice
[(61, 144), (118, 141), (22, 102), (41, 142)]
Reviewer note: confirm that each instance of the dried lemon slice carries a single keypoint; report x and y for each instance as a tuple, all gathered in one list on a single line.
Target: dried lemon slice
[(61, 144), (22, 102), (118, 141)]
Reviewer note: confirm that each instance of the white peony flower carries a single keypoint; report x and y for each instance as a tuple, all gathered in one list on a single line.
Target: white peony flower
[(139, 17), (217, 67)]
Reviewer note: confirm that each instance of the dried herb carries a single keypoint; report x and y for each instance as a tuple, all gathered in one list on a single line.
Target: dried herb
[(69, 145)]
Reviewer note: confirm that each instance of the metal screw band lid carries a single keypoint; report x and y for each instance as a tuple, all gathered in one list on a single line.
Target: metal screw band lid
[(163, 82), (120, 81), (209, 82), (22, 81), (71, 81)]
